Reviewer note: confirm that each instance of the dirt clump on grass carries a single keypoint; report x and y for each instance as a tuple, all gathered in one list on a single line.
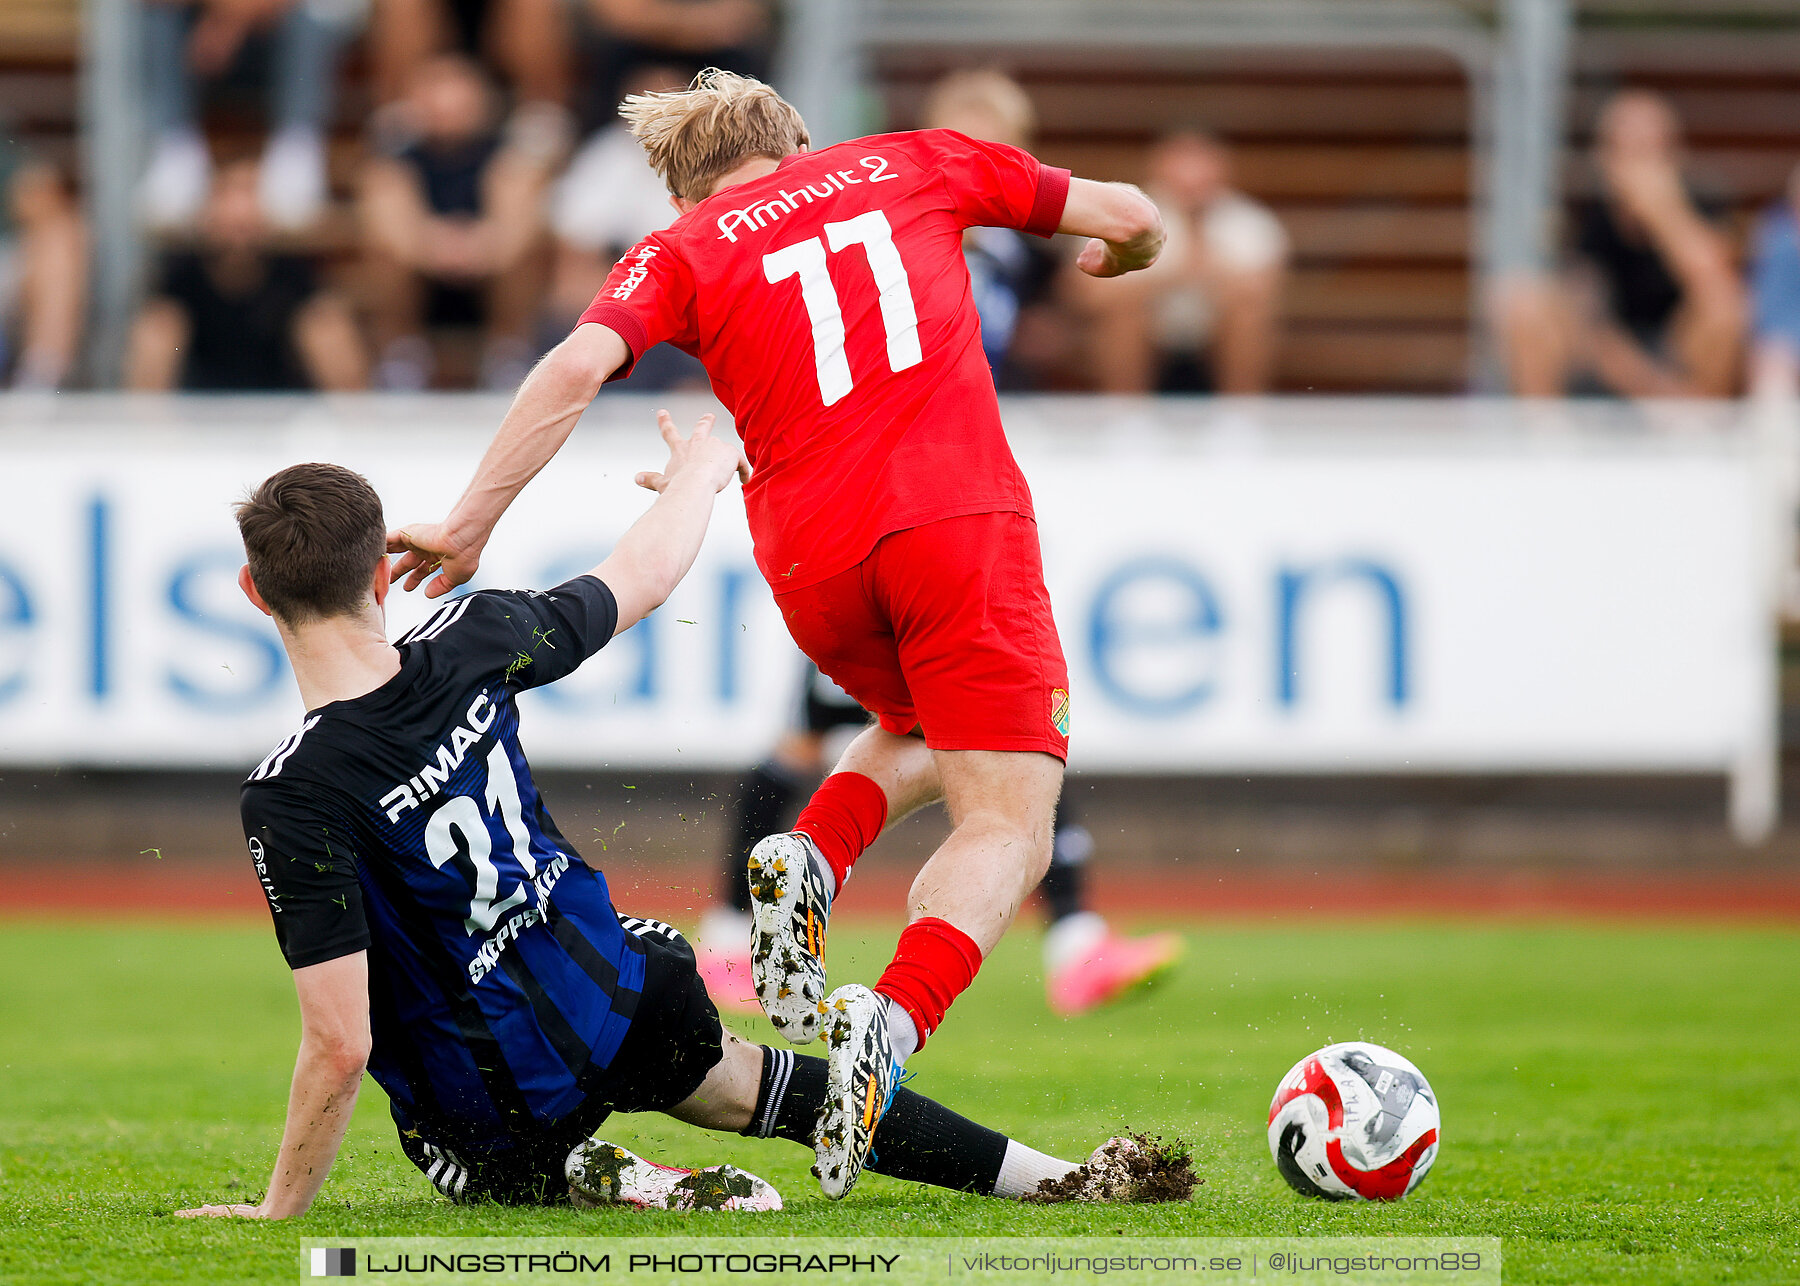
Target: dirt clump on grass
[(1130, 1168)]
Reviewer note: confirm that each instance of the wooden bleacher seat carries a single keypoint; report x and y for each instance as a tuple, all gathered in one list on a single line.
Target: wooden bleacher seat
[(1366, 164), (40, 43), (39, 33)]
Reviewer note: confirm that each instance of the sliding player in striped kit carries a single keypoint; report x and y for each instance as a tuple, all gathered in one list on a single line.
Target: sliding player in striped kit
[(447, 938)]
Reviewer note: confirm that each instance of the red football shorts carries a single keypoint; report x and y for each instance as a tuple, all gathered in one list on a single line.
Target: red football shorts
[(945, 628)]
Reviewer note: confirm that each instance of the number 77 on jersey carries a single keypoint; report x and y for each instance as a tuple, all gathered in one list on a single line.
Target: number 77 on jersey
[(806, 260)]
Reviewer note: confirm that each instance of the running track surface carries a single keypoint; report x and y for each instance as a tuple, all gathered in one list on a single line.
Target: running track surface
[(153, 888)]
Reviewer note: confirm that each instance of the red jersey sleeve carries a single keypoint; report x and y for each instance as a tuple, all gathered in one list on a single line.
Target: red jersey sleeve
[(648, 299), (996, 185)]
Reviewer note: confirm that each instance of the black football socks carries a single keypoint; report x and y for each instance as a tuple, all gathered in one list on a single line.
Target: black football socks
[(919, 1140)]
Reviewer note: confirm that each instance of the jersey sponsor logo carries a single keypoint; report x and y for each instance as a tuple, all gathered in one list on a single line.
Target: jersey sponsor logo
[(786, 201), (1059, 710), (487, 956), (639, 260), (260, 857), (430, 779)]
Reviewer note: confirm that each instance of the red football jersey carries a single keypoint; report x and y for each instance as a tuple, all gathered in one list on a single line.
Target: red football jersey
[(830, 304)]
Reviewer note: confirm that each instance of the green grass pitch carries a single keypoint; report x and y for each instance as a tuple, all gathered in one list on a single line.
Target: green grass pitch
[(1621, 1104)]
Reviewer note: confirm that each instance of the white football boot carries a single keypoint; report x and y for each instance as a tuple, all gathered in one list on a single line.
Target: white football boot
[(605, 1174), (862, 1077), (790, 904)]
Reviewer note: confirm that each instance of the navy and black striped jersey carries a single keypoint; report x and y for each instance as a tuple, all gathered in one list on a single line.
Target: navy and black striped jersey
[(406, 823)]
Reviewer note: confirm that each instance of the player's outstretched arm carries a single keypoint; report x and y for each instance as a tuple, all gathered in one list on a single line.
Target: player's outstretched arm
[(334, 1050), (1125, 227), (651, 558), (541, 417)]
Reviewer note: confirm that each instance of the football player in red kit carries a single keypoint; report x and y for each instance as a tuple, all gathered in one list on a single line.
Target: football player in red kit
[(827, 295)]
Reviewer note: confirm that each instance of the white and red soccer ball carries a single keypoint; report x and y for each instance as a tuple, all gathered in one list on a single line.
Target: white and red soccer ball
[(1354, 1122)]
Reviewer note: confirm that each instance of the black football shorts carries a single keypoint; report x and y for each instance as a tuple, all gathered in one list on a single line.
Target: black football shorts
[(675, 1039)]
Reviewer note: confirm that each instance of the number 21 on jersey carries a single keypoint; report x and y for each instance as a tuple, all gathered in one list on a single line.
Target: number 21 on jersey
[(806, 260), (462, 814)]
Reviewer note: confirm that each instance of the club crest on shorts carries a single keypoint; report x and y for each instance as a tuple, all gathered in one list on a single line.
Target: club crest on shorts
[(1059, 710)]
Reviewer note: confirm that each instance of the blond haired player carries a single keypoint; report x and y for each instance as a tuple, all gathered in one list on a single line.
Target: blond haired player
[(826, 294)]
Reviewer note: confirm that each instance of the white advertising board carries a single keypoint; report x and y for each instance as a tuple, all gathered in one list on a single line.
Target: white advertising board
[(1232, 595)]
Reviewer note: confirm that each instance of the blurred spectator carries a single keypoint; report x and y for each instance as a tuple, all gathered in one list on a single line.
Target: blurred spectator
[(188, 41), (1775, 283), (232, 316), (1650, 305), (526, 42), (1009, 272), (453, 229), (43, 272), (687, 34), (1205, 318), (608, 200)]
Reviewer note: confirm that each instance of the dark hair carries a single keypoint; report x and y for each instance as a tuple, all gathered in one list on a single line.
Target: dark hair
[(313, 534)]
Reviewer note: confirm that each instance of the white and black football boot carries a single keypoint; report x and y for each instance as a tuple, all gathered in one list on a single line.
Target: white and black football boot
[(790, 904), (605, 1174), (862, 1076)]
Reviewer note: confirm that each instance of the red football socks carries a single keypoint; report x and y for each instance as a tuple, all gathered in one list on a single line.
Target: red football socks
[(845, 815), (933, 965)]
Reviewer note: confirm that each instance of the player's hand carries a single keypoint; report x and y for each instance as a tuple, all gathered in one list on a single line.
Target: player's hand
[(238, 1211), (714, 458), (1104, 259), (1126, 208), (428, 547), (1097, 260)]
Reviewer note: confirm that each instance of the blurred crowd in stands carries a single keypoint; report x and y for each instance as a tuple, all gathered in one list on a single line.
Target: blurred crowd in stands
[(493, 186)]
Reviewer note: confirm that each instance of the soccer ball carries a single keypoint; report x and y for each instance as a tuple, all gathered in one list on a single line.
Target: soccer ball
[(1354, 1122)]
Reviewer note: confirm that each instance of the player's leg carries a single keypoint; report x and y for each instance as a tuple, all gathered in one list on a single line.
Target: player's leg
[(979, 655), (922, 1141), (843, 824), (678, 1059), (549, 1172), (767, 796), (675, 1052), (883, 775), (975, 636), (1002, 807), (560, 1163), (766, 1093), (795, 877), (1065, 883), (1086, 962)]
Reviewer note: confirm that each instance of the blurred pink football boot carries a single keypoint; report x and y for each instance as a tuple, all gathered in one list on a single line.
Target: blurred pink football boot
[(1106, 966)]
